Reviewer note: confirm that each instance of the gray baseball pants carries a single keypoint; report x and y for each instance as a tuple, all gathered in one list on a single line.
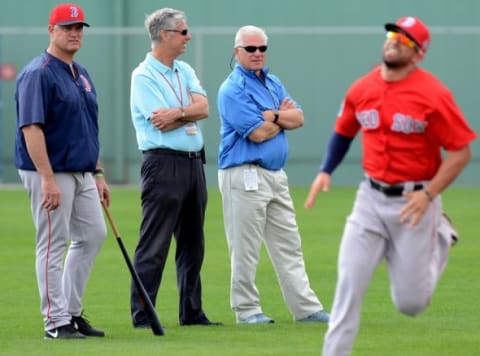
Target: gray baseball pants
[(415, 258), (67, 242)]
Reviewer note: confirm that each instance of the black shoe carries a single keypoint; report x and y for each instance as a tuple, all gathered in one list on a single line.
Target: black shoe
[(145, 325), (83, 325), (64, 332), (203, 320), (140, 321)]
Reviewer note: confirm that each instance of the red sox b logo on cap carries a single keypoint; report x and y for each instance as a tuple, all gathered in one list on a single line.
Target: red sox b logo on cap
[(67, 14), (73, 11), (407, 22)]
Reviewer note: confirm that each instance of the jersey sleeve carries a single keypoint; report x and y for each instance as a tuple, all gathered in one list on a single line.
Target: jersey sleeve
[(347, 124), (33, 97), (448, 124)]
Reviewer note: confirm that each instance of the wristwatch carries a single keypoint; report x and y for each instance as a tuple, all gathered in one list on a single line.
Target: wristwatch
[(275, 116)]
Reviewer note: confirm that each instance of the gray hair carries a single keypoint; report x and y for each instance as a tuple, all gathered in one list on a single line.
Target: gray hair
[(163, 19), (247, 31)]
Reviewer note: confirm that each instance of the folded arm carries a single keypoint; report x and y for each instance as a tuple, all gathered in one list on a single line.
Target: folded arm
[(166, 119)]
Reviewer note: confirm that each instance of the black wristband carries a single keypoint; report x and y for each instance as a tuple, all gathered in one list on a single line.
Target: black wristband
[(98, 171)]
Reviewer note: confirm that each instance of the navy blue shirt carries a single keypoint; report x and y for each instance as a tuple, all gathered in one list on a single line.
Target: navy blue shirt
[(65, 106), (242, 98)]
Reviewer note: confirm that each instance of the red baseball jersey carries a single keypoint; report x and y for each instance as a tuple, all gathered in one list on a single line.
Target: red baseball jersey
[(404, 124)]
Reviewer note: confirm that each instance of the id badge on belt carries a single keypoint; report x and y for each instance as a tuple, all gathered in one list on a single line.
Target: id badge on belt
[(250, 179)]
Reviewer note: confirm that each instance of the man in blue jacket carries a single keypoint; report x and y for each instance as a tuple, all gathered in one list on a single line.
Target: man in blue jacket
[(57, 156), (255, 111)]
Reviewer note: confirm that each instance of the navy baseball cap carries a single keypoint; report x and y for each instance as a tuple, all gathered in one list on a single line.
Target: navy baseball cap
[(67, 14)]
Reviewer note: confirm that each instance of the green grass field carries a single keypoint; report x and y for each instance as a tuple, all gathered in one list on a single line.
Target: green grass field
[(449, 327)]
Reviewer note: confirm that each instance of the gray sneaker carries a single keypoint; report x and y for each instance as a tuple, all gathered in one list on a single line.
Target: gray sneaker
[(256, 319), (318, 317), (64, 332)]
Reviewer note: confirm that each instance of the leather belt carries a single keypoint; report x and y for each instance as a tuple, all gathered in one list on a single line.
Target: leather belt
[(392, 190), (169, 152)]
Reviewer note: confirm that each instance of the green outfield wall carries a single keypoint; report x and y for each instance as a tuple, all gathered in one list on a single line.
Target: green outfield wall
[(316, 47)]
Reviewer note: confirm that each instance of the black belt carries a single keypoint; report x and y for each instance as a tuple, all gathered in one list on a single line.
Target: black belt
[(391, 190), (169, 152)]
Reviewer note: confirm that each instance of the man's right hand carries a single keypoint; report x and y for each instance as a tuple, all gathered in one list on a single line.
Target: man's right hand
[(321, 183), (51, 194)]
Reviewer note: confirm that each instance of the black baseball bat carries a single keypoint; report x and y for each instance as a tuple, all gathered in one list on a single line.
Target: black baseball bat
[(145, 301)]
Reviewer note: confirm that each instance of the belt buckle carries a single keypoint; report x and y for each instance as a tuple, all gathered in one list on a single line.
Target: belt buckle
[(409, 187), (192, 154)]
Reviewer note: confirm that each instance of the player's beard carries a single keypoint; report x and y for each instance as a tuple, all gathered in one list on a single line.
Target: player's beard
[(398, 63)]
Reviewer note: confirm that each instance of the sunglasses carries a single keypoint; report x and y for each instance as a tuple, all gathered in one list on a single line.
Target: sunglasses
[(253, 49), (403, 38), (182, 32)]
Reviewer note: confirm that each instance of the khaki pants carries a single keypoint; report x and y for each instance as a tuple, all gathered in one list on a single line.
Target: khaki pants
[(264, 215)]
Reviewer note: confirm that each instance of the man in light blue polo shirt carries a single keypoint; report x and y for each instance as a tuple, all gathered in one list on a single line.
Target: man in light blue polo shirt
[(255, 110), (166, 102)]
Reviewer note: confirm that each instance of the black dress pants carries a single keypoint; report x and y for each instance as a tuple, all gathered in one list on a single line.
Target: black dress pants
[(174, 198)]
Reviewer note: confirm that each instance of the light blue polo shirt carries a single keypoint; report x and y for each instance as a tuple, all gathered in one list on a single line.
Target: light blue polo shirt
[(150, 90), (242, 98)]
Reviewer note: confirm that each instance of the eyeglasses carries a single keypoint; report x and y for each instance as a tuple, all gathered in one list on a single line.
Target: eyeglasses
[(403, 38), (182, 32), (253, 49)]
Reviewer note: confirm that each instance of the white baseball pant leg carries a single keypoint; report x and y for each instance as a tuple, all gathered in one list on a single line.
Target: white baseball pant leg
[(79, 218), (415, 258)]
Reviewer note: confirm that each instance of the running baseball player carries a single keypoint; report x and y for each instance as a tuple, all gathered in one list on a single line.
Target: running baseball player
[(406, 116)]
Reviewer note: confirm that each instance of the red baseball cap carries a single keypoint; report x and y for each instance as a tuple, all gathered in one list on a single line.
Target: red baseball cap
[(67, 14), (414, 28)]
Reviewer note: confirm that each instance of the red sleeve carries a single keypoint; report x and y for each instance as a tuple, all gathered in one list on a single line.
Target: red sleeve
[(347, 124), (448, 125)]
